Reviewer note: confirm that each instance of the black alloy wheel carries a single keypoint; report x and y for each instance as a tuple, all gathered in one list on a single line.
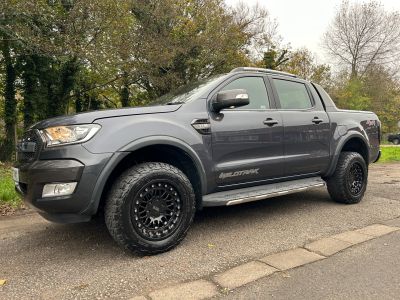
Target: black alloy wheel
[(355, 179), (156, 210)]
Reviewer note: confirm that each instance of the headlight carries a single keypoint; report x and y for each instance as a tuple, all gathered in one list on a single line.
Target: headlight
[(72, 134)]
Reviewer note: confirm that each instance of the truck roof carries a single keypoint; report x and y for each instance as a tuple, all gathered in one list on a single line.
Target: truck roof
[(262, 70)]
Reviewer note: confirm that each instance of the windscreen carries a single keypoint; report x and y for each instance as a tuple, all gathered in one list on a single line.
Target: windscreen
[(187, 92)]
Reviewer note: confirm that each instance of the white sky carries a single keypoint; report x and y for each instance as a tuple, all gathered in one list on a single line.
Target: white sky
[(303, 22)]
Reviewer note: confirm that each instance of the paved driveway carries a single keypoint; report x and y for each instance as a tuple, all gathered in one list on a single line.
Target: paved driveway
[(41, 259)]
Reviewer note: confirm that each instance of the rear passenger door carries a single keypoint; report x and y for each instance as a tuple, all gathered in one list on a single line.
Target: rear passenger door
[(306, 126)]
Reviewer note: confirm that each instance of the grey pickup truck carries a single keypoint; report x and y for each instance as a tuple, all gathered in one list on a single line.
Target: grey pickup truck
[(247, 135)]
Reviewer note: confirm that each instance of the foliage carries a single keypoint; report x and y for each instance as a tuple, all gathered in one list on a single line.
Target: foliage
[(377, 91), (274, 58), (182, 41), (384, 90), (353, 96), (302, 63)]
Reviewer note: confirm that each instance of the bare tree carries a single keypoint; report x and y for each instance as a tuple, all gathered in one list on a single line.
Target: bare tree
[(261, 29), (362, 35)]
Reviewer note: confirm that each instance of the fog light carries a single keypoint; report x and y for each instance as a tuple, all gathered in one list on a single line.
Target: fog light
[(58, 189)]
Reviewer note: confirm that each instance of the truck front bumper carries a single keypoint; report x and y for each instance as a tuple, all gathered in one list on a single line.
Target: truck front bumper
[(33, 176)]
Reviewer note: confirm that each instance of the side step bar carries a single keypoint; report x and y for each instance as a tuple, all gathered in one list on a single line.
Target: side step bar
[(255, 193)]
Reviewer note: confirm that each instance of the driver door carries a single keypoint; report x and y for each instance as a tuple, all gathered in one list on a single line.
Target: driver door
[(247, 142)]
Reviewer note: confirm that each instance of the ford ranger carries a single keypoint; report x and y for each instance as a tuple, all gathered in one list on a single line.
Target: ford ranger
[(247, 135)]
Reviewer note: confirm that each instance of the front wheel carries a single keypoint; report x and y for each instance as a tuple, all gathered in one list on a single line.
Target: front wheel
[(349, 181), (396, 141), (150, 208)]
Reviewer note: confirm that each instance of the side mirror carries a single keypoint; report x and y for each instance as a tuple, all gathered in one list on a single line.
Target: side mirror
[(231, 98)]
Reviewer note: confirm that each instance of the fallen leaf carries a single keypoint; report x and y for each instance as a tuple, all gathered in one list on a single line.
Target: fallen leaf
[(225, 291), (81, 286), (3, 281), (211, 245)]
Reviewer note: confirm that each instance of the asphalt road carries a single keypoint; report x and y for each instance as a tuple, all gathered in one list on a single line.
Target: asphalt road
[(49, 261)]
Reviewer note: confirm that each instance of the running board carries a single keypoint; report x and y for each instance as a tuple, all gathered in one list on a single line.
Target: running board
[(255, 193)]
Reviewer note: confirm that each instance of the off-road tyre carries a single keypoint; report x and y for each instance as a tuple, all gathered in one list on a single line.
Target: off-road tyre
[(128, 194), (396, 141), (345, 186)]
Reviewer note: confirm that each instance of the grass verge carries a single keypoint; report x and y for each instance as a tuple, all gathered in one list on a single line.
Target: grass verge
[(390, 154), (8, 196)]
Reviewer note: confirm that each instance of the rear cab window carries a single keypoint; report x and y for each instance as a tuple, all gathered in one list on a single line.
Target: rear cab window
[(292, 94)]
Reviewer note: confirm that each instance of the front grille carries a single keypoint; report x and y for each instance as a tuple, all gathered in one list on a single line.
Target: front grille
[(29, 147)]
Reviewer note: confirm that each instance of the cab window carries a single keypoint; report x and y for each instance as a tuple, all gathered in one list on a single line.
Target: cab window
[(292, 95)]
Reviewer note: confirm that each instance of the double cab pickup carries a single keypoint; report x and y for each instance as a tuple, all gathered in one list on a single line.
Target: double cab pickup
[(247, 135)]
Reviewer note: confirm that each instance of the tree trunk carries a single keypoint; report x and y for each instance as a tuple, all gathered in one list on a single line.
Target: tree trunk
[(124, 93), (10, 104), (354, 73), (29, 77), (79, 106)]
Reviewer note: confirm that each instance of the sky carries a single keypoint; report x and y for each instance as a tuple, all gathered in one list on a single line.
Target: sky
[(303, 23)]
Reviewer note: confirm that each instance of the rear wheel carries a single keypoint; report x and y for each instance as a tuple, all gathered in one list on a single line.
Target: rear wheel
[(349, 181), (150, 208)]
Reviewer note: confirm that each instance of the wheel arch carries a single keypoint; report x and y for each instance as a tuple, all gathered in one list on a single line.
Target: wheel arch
[(177, 153), (354, 142)]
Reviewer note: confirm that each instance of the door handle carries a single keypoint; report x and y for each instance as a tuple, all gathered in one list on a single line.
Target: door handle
[(317, 120), (270, 122)]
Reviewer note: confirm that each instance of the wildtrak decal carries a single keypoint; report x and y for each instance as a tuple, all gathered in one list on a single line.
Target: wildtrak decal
[(238, 173)]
